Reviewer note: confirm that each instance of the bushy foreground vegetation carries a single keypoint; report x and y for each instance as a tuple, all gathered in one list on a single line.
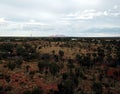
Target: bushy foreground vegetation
[(59, 66)]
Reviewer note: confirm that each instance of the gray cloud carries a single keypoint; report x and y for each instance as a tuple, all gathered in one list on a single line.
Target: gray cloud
[(66, 17)]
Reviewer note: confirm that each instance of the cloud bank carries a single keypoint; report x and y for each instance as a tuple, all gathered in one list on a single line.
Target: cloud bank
[(98, 18)]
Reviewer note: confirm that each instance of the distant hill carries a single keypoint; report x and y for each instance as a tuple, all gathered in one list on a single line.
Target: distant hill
[(57, 36)]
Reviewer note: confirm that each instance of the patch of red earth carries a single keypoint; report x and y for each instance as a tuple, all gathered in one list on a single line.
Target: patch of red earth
[(20, 82), (45, 86), (3, 82), (111, 71), (18, 77)]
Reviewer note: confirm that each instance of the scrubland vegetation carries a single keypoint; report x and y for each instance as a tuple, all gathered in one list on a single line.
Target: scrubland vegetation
[(59, 65)]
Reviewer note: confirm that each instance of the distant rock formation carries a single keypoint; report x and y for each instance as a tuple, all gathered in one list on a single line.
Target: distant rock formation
[(57, 36)]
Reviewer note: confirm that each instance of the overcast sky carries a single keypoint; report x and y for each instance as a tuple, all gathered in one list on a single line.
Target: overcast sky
[(82, 18)]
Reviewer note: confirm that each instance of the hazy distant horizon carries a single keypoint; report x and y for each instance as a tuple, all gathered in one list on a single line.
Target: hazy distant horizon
[(76, 18)]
